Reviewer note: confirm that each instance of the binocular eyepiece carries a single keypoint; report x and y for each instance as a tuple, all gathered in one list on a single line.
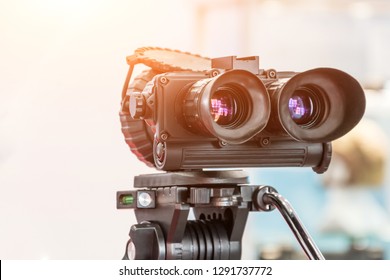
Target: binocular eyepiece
[(233, 106), (237, 115), (323, 105), (318, 105)]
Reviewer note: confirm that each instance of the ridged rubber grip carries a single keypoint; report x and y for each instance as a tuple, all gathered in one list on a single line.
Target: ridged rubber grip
[(138, 135)]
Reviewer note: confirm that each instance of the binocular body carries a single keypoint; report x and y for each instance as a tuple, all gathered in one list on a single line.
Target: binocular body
[(237, 115)]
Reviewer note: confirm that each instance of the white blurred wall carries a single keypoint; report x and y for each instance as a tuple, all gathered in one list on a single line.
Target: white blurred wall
[(62, 153), (300, 34)]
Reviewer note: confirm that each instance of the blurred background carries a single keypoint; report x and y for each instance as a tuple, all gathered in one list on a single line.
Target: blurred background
[(63, 156)]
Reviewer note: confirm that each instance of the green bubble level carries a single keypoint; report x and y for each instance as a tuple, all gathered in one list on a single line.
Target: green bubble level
[(128, 199)]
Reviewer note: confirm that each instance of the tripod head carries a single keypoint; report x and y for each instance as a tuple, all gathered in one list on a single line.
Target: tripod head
[(220, 202)]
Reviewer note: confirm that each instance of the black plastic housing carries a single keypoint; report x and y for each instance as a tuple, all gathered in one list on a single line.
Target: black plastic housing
[(176, 107)]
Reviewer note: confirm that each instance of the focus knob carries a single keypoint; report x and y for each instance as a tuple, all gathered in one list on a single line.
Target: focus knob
[(137, 106)]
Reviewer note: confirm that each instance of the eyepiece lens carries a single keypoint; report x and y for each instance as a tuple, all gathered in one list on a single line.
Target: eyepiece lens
[(223, 107), (304, 107), (232, 107), (300, 107)]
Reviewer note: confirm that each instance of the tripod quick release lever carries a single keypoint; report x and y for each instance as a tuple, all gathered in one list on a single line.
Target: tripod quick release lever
[(267, 199)]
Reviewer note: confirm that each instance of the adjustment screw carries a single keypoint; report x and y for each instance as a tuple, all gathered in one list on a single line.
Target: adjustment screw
[(222, 143), (271, 74), (163, 80), (265, 141), (214, 73), (164, 136)]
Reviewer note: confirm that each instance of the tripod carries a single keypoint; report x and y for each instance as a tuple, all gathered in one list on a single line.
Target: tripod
[(219, 202)]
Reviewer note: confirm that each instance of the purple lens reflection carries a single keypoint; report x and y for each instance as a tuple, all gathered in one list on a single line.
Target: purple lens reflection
[(223, 107), (301, 108), (296, 107)]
